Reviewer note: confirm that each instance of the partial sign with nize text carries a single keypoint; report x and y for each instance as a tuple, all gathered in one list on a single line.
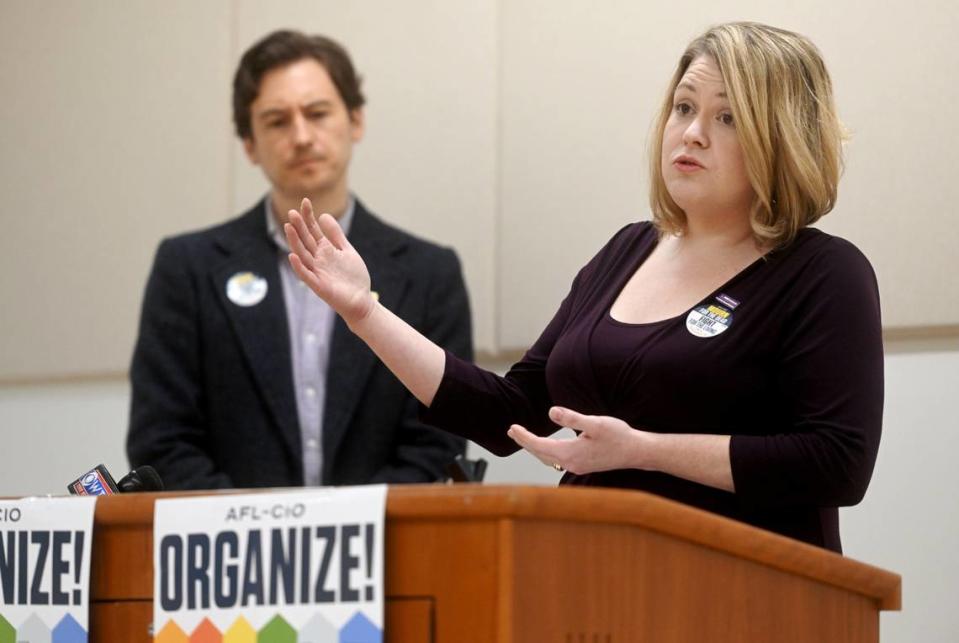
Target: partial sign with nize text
[(45, 569)]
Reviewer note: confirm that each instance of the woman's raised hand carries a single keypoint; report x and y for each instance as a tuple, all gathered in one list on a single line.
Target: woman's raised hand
[(326, 262)]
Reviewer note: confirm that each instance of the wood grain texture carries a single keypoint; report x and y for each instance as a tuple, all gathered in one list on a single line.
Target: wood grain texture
[(622, 584), (410, 620), (121, 621)]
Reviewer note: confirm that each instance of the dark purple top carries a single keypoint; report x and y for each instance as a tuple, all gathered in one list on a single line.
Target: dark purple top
[(786, 357)]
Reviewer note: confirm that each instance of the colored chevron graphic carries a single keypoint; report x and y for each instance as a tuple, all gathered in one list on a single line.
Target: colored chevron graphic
[(359, 629), (34, 630)]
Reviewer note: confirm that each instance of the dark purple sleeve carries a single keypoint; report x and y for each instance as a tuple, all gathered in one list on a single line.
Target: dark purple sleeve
[(480, 405), (831, 375)]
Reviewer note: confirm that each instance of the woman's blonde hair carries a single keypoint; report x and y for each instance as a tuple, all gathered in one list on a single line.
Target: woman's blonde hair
[(782, 103)]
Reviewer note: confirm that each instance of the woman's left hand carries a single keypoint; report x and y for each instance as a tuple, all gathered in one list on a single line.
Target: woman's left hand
[(604, 443)]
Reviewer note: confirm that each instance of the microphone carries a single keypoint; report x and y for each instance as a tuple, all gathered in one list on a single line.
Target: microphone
[(462, 469), (99, 482), (143, 478)]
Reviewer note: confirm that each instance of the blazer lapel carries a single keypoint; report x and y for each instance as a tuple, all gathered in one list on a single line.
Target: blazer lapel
[(261, 329), (351, 361)]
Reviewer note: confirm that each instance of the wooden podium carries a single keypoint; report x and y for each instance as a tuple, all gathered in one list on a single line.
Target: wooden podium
[(486, 564)]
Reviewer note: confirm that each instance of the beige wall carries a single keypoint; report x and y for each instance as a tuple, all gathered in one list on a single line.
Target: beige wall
[(513, 131), (114, 133)]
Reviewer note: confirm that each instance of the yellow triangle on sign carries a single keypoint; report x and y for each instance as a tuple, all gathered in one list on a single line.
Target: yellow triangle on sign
[(240, 632)]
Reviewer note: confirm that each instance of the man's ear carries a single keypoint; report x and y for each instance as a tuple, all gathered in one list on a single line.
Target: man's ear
[(358, 124), (250, 149)]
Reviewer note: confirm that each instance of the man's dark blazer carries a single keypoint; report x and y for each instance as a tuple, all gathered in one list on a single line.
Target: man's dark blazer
[(213, 403)]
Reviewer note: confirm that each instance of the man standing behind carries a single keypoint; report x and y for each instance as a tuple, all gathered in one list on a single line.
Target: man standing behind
[(240, 376)]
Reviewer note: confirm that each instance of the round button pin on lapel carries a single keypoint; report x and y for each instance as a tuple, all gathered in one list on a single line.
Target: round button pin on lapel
[(246, 289)]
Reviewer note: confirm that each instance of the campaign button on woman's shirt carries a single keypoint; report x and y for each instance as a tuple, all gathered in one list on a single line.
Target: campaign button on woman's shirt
[(708, 320)]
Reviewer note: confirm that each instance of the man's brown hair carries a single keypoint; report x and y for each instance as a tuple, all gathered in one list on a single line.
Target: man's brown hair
[(279, 49)]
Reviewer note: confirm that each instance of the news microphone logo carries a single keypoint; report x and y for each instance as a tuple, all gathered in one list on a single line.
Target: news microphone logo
[(97, 482)]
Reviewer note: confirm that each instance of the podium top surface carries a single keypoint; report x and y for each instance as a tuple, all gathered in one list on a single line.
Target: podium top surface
[(589, 505)]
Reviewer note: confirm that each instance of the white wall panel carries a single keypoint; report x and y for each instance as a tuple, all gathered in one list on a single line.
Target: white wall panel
[(428, 159), (114, 126)]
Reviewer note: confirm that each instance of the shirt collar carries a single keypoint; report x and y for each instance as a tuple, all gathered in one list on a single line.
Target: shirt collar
[(276, 233)]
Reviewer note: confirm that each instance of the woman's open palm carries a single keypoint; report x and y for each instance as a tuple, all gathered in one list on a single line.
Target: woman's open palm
[(326, 262)]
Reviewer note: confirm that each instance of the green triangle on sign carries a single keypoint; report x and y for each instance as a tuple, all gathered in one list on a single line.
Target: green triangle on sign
[(8, 634), (277, 631)]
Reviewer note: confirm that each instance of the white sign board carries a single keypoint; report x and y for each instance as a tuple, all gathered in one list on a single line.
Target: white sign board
[(303, 563), (45, 569)]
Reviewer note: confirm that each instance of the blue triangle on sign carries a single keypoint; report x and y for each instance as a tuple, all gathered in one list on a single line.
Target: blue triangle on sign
[(360, 629), (68, 631)]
